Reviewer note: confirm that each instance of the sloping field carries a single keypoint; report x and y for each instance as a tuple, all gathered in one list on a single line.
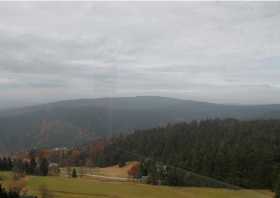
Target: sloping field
[(62, 187), (111, 171), (85, 188), (115, 171)]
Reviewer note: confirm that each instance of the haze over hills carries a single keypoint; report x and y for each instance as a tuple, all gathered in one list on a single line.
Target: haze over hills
[(67, 123)]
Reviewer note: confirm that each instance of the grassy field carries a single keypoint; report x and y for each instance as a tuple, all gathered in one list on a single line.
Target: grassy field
[(112, 171), (63, 187)]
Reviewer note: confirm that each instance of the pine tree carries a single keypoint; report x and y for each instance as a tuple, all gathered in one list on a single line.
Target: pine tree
[(33, 165), (74, 173), (44, 167), (10, 164)]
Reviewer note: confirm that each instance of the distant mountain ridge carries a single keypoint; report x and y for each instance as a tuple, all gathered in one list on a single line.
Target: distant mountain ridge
[(71, 122)]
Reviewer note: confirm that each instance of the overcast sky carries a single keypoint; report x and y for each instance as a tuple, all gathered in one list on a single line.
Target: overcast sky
[(216, 52)]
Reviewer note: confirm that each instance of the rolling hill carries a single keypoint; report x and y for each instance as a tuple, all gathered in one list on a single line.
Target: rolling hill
[(72, 122)]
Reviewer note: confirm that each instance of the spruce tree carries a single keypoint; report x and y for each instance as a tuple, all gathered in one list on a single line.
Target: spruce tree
[(44, 167), (74, 173), (33, 166)]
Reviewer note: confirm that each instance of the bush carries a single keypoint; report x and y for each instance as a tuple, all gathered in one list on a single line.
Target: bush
[(121, 164)]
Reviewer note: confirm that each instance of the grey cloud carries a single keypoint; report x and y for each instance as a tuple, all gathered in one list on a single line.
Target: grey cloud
[(188, 50)]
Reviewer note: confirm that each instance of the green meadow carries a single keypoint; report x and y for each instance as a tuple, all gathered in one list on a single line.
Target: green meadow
[(62, 187)]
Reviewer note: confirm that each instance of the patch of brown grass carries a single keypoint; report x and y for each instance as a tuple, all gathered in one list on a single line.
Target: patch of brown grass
[(116, 171)]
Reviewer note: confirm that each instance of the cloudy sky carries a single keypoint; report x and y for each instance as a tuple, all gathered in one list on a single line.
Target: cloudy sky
[(216, 52)]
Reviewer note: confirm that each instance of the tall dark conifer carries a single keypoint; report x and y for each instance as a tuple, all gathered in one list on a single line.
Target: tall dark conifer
[(44, 167)]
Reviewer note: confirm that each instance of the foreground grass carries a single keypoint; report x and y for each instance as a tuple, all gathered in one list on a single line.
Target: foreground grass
[(85, 188), (88, 188)]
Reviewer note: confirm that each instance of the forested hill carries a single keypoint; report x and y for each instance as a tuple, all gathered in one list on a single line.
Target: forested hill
[(243, 153), (68, 123)]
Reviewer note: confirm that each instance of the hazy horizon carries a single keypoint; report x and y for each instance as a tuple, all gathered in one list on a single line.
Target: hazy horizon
[(19, 106), (218, 52)]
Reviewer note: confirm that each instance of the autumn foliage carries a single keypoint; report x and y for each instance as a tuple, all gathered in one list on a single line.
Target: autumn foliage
[(134, 170)]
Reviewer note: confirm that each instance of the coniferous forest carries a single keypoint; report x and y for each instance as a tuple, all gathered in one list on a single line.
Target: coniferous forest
[(233, 152)]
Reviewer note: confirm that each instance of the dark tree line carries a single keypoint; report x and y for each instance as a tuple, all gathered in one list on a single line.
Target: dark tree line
[(6, 164), (242, 153), (32, 167)]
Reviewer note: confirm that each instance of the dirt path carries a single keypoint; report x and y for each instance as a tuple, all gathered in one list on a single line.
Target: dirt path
[(108, 177)]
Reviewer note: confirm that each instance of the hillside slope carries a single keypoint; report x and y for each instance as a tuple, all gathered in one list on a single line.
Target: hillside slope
[(67, 123)]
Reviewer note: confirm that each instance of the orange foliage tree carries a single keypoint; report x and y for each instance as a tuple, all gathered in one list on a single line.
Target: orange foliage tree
[(134, 170)]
